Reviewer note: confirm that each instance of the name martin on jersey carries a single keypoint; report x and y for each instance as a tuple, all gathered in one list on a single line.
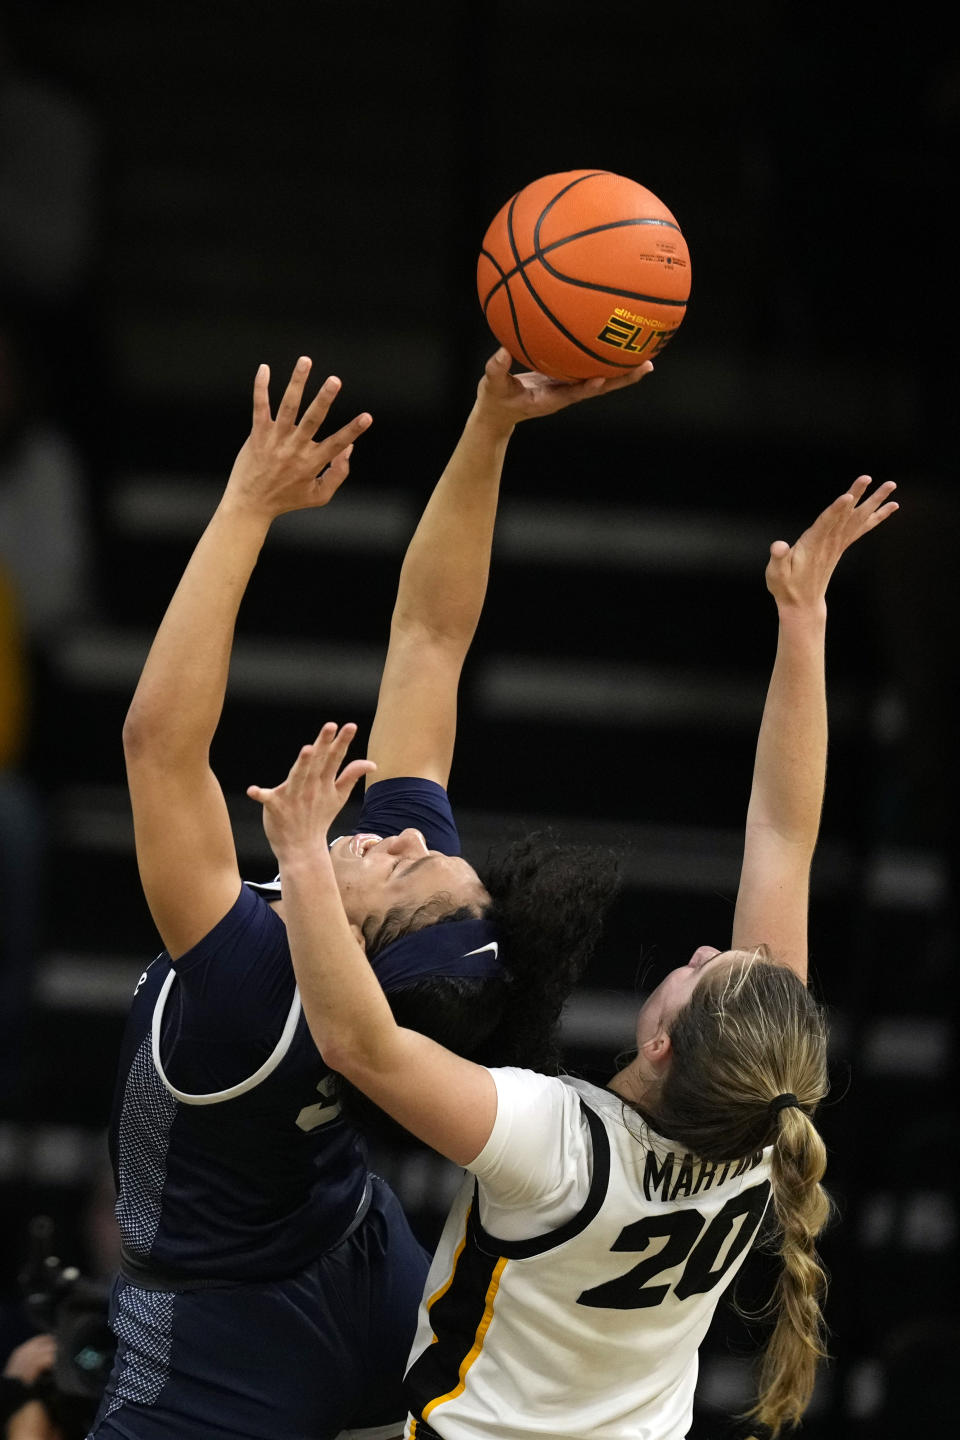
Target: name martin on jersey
[(674, 1176)]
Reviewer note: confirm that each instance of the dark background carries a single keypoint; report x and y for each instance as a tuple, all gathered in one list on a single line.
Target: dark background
[(188, 190)]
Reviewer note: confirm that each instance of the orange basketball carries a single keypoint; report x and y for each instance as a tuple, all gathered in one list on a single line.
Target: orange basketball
[(584, 273)]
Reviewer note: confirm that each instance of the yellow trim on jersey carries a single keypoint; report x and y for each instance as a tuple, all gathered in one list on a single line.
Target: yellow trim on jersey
[(477, 1345), (453, 1268)]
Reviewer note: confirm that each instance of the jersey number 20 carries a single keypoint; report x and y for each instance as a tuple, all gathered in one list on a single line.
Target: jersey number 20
[(685, 1246)]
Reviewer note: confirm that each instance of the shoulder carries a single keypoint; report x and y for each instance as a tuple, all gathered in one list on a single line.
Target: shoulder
[(540, 1123), (561, 1095), (544, 1172), (249, 923)]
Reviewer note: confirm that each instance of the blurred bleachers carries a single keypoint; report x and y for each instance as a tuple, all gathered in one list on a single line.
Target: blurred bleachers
[(257, 205)]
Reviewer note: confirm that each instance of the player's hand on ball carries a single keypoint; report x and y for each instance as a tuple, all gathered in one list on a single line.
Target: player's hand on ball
[(298, 812), (798, 575), (283, 465), (508, 399)]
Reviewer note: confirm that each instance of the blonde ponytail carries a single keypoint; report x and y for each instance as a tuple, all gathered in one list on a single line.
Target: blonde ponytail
[(751, 1037), (801, 1208)]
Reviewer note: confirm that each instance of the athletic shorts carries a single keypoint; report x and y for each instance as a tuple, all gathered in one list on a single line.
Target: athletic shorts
[(297, 1359)]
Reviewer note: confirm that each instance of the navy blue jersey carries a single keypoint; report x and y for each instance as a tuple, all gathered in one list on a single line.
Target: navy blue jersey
[(317, 1355), (230, 1155)]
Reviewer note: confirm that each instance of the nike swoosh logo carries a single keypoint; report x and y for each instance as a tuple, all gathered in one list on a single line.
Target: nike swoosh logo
[(494, 945)]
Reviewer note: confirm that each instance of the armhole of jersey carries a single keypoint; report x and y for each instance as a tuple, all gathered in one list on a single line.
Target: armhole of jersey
[(539, 1244), (216, 1096)]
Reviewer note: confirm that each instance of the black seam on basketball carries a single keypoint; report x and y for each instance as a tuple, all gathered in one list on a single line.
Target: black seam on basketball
[(507, 275), (513, 312), (540, 251), (493, 290), (604, 359), (504, 276), (618, 364), (603, 289), (608, 225), (572, 185), (496, 285)]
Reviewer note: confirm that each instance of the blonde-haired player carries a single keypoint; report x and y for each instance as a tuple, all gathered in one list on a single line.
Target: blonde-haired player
[(597, 1228)]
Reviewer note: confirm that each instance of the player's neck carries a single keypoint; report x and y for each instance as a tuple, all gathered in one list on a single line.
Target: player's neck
[(628, 1083), (635, 1085)]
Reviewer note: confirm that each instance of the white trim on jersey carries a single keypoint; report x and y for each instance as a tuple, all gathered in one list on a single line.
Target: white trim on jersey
[(272, 889), (216, 1096)]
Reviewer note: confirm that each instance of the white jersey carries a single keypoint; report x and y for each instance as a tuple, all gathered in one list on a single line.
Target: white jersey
[(577, 1274)]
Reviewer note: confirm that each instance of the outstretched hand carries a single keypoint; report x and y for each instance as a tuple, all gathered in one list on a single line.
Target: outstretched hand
[(298, 813), (798, 574), (282, 466), (512, 398)]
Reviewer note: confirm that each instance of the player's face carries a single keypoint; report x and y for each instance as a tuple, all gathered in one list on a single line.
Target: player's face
[(663, 1004), (376, 874)]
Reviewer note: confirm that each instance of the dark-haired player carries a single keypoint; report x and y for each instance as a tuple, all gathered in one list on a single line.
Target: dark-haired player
[(270, 1283)]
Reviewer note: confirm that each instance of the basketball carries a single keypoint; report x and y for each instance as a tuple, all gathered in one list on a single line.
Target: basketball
[(584, 273)]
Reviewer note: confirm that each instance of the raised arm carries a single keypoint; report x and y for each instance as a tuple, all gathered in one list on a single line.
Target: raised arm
[(783, 817), (443, 580), (184, 842)]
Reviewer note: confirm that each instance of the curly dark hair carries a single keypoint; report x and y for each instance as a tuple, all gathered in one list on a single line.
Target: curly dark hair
[(548, 901)]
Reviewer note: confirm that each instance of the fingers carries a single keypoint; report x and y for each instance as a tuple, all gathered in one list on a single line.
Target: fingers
[(336, 472), (321, 760), (570, 392), (329, 751), (289, 406), (497, 380), (318, 409), (859, 486), (604, 384), (870, 506), (855, 507), (316, 412), (351, 773), (337, 741), (867, 503), (856, 512), (499, 364), (331, 458), (884, 513), (543, 394), (325, 755), (347, 436), (261, 396), (620, 382)]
